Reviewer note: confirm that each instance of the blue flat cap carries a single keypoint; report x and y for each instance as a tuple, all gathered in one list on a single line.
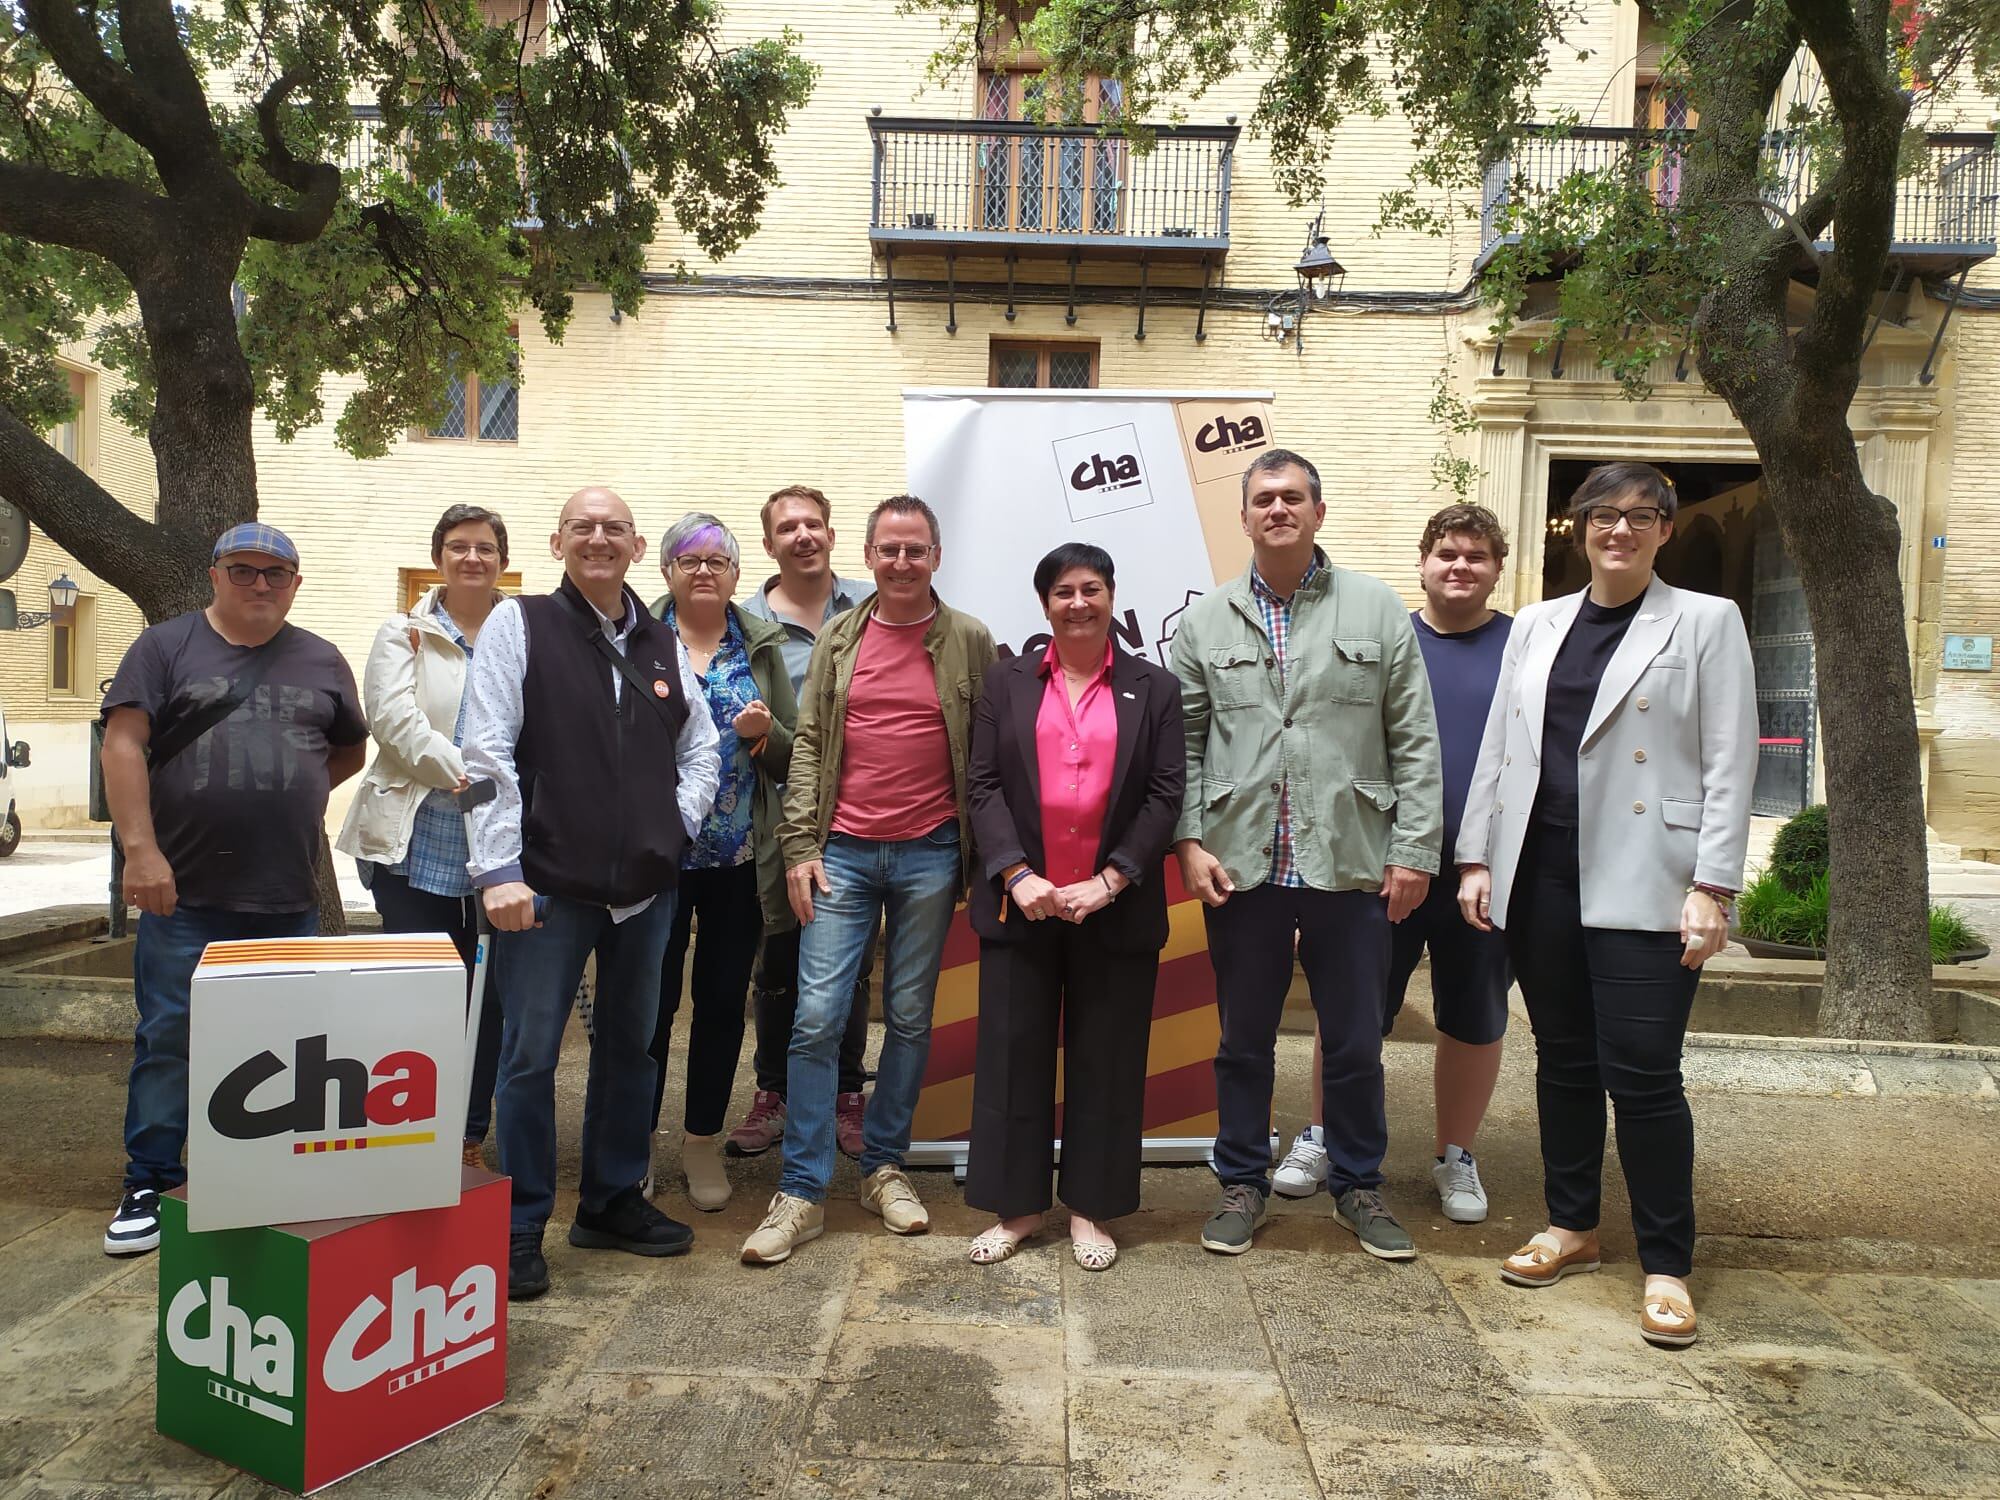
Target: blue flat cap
[(255, 536)]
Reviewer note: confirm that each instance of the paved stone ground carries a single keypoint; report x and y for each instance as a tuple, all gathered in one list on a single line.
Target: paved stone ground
[(1848, 1281)]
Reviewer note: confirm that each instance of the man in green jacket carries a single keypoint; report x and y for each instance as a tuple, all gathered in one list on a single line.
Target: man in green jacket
[(875, 819), (1313, 813)]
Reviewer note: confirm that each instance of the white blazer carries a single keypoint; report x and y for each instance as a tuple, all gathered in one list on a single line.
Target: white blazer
[(1664, 770), (410, 695)]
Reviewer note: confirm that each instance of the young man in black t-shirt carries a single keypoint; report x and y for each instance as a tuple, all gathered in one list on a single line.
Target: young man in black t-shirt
[(221, 836)]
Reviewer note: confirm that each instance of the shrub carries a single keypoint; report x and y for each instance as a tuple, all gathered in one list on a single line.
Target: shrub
[(1770, 910), (1801, 850)]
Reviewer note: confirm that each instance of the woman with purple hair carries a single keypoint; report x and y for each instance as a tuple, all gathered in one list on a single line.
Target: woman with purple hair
[(731, 875)]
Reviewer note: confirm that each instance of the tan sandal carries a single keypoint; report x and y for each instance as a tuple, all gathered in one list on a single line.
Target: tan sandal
[(1541, 1261), (996, 1245), (1093, 1257), (1668, 1321)]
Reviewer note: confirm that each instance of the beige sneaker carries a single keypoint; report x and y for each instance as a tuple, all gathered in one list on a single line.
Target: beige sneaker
[(788, 1222), (888, 1193), (707, 1182)]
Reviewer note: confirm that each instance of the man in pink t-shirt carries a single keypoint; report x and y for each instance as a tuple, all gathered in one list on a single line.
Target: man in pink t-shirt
[(875, 822)]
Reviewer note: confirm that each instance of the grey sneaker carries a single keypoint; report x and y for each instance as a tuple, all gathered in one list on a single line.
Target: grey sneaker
[(1459, 1191), (1363, 1211), (1235, 1220)]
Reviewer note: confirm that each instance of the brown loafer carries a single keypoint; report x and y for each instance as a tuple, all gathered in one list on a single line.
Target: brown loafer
[(1668, 1321), (1541, 1262)]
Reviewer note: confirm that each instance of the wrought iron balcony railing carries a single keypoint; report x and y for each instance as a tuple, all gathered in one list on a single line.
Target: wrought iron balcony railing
[(366, 159), (1053, 191), (1947, 208)]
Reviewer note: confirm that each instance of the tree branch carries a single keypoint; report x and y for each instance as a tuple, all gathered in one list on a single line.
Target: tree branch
[(151, 38), (77, 513), (100, 215), (71, 39), (1871, 110), (317, 182)]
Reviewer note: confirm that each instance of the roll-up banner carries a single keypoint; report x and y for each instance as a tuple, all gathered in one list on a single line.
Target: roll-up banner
[(1155, 479)]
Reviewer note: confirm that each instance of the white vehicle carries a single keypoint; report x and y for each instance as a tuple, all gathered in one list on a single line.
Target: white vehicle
[(14, 759)]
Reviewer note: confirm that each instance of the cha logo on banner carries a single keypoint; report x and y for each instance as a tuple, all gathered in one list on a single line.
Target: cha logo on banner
[(1102, 472), (400, 1089), (1226, 436), (254, 1360), (420, 1333)]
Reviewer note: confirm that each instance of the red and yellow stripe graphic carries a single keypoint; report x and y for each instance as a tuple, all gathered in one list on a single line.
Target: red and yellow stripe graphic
[(363, 1142), (1180, 1060), (330, 951)]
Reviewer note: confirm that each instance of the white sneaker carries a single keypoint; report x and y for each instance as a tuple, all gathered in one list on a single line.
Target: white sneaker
[(1459, 1190), (1303, 1171)]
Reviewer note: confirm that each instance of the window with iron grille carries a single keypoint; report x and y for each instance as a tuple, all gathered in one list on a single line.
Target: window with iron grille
[(482, 411), (1043, 366)]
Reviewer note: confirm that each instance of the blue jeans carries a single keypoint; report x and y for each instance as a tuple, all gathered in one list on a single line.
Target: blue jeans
[(916, 883), (538, 971), (164, 956)]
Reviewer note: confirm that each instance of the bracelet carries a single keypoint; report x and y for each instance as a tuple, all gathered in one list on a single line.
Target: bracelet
[(1019, 875), (1724, 899), (1107, 885)]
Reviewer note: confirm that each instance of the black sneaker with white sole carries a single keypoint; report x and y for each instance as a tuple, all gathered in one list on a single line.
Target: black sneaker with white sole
[(135, 1228)]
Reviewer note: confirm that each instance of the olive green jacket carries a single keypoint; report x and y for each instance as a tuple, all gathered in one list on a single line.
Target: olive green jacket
[(960, 647), (765, 640), (1351, 729)]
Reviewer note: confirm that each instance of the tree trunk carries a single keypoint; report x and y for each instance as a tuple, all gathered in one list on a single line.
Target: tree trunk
[(1844, 539), (200, 433)]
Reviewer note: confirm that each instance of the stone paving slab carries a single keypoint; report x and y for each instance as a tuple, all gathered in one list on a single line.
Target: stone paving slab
[(928, 1279), (127, 1450), (1406, 1471), (841, 1479), (1165, 1308), (1579, 1337), (677, 1438), (1957, 1355), (1747, 1071), (1932, 1077), (86, 1363), (1752, 1313), (1195, 1438), (709, 1314), (51, 1266), (1646, 1449), (17, 1219), (930, 1391), (1856, 1424)]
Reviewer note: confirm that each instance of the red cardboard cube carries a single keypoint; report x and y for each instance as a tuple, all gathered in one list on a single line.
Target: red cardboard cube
[(304, 1352)]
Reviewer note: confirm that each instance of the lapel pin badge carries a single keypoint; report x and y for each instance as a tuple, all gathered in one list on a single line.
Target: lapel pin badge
[(660, 688)]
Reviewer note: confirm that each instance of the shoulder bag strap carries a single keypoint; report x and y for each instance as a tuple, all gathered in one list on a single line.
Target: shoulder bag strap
[(638, 680), (162, 750)]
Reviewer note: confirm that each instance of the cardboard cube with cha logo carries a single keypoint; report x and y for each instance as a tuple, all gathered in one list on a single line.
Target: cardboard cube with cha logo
[(303, 1352), (326, 1078)]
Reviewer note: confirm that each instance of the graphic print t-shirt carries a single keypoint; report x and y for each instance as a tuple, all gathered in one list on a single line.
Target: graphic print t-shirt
[(238, 813)]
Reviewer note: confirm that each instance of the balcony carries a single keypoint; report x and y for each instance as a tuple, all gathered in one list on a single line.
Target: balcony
[(1947, 208), (366, 159), (1052, 192)]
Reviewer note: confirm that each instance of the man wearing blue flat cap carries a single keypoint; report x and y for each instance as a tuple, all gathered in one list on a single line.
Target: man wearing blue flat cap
[(224, 730)]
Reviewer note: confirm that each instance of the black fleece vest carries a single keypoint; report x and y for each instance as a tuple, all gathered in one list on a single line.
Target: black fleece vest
[(600, 818)]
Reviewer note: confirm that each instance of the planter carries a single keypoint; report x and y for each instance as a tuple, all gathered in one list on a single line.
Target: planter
[(1760, 948)]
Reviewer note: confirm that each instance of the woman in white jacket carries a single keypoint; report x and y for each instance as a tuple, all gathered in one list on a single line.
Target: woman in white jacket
[(403, 831), (1604, 831)]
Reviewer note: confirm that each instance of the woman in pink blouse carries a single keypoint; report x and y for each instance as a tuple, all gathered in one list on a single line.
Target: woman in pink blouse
[(1078, 761)]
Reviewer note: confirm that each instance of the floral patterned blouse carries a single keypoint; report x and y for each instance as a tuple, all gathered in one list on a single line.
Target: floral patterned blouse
[(724, 839)]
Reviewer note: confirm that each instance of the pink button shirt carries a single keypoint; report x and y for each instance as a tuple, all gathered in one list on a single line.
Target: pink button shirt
[(1075, 748)]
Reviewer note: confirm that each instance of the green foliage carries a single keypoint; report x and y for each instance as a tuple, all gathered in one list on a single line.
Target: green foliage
[(1453, 419), (508, 165), (1802, 848), (1771, 910), (1950, 934)]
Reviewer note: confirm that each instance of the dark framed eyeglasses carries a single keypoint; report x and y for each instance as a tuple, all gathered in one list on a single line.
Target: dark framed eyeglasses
[(582, 531), (896, 551), (280, 576), (484, 550), (1639, 517), (691, 564)]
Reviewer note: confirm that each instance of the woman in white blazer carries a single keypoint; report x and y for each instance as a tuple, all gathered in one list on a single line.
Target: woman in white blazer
[(1605, 832), (406, 836)]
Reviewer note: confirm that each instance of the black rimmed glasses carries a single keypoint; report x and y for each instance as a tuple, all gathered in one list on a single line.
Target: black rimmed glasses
[(1639, 517), (614, 531), (280, 576), (690, 564)]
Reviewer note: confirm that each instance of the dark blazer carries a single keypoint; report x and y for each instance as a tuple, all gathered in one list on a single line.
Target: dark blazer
[(1147, 779)]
